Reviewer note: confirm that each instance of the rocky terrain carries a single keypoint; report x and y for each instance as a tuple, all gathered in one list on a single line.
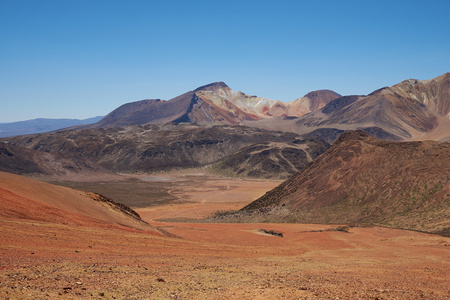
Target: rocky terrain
[(410, 110), (363, 180), (20, 160), (50, 252), (272, 159), (340, 216), (151, 148), (413, 109), (212, 103), (185, 132)]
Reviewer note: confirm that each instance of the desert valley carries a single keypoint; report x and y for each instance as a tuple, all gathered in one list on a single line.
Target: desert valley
[(216, 194)]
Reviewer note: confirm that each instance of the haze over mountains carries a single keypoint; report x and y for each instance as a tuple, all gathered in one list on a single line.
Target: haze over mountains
[(41, 125)]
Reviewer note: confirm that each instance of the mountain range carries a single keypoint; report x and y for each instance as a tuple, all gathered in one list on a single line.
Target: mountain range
[(216, 103), (151, 148), (380, 158), (204, 127), (410, 110)]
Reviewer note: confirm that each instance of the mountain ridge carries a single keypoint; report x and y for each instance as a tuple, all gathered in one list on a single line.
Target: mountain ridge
[(364, 180), (212, 103), (153, 148), (410, 110)]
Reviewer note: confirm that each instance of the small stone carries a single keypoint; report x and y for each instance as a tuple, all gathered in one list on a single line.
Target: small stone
[(160, 279), (101, 294)]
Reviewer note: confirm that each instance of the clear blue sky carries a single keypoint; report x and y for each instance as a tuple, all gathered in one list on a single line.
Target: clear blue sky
[(82, 58)]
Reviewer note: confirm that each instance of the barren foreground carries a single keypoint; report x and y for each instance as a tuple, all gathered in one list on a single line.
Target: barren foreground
[(48, 260)]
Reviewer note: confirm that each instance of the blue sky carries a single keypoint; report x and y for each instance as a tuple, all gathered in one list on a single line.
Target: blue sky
[(83, 58)]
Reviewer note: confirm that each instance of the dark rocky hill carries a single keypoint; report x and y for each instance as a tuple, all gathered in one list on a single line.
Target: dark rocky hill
[(151, 148), (272, 159), (18, 160)]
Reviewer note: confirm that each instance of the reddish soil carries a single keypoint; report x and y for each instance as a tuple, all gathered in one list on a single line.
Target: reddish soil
[(199, 196), (48, 259)]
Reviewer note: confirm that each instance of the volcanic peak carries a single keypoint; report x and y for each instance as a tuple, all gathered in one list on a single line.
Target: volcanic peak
[(212, 86)]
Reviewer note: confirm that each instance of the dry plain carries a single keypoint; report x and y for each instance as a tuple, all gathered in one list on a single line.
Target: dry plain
[(194, 260)]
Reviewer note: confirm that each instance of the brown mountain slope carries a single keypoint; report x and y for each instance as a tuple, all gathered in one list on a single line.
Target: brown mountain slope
[(311, 102), (211, 103), (191, 107), (411, 110), (434, 93), (24, 198), (360, 179), (147, 111)]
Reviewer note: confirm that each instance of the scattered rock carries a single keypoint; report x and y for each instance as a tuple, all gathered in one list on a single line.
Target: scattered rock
[(271, 232)]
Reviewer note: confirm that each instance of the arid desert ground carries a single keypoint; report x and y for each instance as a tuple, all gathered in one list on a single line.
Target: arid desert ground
[(198, 260)]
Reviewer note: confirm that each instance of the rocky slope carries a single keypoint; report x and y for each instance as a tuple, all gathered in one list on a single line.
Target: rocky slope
[(151, 148), (212, 103), (360, 179), (433, 93), (410, 110), (20, 160), (272, 159)]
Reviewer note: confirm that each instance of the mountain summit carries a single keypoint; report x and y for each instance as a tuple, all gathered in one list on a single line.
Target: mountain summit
[(216, 103), (411, 110)]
